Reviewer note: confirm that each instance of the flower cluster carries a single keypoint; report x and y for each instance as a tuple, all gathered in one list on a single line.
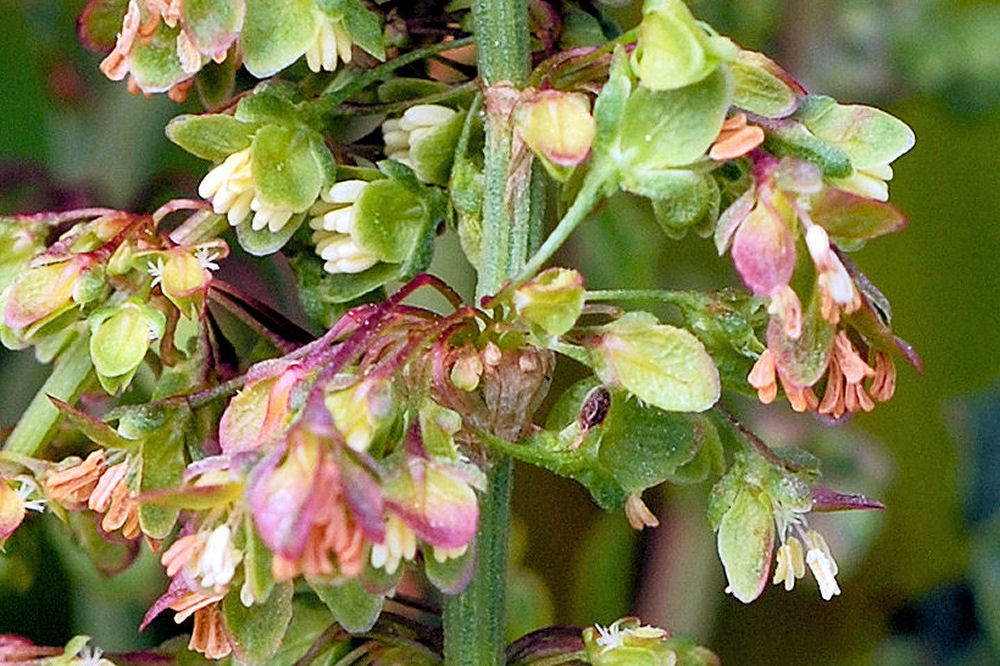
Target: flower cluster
[(163, 44), (343, 464), (830, 336), (112, 276)]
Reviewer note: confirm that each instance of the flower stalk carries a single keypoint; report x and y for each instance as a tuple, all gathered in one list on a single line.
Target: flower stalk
[(474, 621)]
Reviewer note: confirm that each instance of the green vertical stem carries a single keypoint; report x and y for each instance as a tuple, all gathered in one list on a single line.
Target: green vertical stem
[(69, 376), (474, 621)]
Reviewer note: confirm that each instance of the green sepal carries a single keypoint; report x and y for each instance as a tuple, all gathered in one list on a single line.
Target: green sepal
[(93, 429), (286, 173), (710, 461), (212, 137), (389, 219), (759, 89), (256, 632), (851, 219), (694, 206), (162, 468), (213, 25), (154, 64), (552, 301), (450, 576), (672, 128), (352, 606), (365, 27), (726, 321), (609, 107), (262, 242), (673, 49), (870, 136), (803, 361), (120, 337), (216, 82), (433, 154), (108, 557), (746, 541), (270, 103), (276, 33)]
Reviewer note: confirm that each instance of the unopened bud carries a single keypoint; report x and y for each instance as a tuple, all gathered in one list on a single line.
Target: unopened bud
[(557, 126), (552, 301)]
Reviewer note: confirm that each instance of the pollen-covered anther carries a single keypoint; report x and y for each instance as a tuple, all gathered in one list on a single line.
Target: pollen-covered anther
[(182, 551), (400, 544), (208, 635), (822, 564), (736, 138), (789, 563), (72, 487), (764, 378), (400, 134), (115, 66), (230, 187), (845, 391), (883, 384), (332, 42), (638, 514), (112, 497), (333, 219), (836, 288), (801, 398)]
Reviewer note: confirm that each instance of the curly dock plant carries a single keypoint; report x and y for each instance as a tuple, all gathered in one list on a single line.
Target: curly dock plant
[(288, 499)]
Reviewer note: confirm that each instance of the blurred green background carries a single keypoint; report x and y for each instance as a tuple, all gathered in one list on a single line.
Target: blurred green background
[(921, 581)]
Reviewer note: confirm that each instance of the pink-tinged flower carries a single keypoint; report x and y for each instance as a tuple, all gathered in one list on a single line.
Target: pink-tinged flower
[(763, 246), (258, 416), (43, 292), (12, 510), (557, 125), (434, 498), (165, 23), (314, 508)]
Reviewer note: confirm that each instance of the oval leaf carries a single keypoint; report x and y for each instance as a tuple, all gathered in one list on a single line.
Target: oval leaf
[(664, 366)]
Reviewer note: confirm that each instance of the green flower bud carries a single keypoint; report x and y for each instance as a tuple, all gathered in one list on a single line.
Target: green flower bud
[(552, 301), (559, 129), (119, 340), (674, 50), (628, 641)]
